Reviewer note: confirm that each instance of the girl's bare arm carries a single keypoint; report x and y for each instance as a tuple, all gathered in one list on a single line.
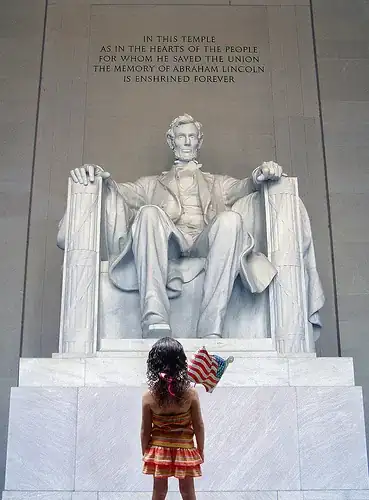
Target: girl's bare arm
[(146, 423), (198, 423)]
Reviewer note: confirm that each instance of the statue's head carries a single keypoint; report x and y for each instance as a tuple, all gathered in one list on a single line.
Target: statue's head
[(185, 137)]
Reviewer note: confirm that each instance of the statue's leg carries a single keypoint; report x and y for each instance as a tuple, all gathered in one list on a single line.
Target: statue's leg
[(224, 240), (151, 232)]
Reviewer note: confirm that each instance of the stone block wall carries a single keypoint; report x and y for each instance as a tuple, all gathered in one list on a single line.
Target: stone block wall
[(342, 45), (21, 40)]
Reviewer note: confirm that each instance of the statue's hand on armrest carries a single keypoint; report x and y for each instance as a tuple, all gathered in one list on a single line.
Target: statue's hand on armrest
[(87, 174), (268, 171)]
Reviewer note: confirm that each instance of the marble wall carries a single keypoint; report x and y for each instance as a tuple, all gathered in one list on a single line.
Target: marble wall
[(21, 37), (271, 438), (342, 41)]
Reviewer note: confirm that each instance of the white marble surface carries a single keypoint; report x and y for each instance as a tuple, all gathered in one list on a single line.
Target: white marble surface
[(108, 443), (249, 429), (290, 495), (258, 439), (80, 233), (321, 372), (244, 372), (332, 438), (336, 495), (240, 354), (224, 354), (85, 495), (49, 495), (41, 442), (129, 368), (218, 345), (51, 372), (289, 294), (229, 495), (250, 372), (324, 495), (108, 495), (261, 428), (116, 371), (37, 495)]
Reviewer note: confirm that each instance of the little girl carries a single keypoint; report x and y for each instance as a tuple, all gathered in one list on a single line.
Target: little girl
[(171, 416)]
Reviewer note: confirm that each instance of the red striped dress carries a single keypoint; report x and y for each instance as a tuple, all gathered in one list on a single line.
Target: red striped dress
[(171, 450)]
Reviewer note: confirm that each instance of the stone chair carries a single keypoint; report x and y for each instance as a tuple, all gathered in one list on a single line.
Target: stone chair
[(94, 311)]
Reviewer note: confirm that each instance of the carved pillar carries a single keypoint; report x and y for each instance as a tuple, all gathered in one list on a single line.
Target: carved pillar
[(287, 293), (81, 270)]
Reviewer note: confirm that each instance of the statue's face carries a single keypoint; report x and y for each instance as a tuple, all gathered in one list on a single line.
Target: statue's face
[(186, 142)]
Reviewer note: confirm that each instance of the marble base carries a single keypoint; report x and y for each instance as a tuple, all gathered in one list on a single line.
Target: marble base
[(271, 438), (232, 495), (54, 495), (278, 428), (41, 439), (130, 370), (189, 345)]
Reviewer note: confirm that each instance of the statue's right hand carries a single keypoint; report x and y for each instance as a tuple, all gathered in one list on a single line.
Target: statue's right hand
[(88, 173)]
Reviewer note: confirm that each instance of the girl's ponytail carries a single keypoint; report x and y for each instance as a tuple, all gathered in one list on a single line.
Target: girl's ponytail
[(169, 381)]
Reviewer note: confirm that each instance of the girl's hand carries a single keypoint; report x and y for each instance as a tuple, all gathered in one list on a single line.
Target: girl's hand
[(201, 454)]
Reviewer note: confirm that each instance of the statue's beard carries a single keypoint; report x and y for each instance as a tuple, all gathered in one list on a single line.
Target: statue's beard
[(185, 157)]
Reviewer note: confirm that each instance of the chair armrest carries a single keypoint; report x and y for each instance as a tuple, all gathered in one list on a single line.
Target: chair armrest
[(287, 292), (81, 269)]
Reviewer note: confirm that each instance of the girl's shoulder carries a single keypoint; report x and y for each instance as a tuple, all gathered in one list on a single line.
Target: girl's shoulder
[(192, 395), (189, 398), (147, 398)]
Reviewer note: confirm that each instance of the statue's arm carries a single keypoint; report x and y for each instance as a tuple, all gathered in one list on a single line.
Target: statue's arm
[(134, 194), (234, 189)]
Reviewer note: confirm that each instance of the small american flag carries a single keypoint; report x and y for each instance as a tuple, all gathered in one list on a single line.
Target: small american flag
[(207, 369)]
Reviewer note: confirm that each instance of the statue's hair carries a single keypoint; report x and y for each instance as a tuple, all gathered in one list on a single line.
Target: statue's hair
[(183, 120), (167, 374)]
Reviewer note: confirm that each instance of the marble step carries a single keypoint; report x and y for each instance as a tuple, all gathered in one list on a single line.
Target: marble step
[(125, 346), (131, 370), (228, 495), (216, 345)]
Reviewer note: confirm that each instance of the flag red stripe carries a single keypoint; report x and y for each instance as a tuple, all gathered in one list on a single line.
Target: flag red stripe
[(203, 357), (201, 365), (198, 373)]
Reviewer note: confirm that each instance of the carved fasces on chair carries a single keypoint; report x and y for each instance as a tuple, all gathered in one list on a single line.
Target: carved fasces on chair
[(81, 269), (287, 293)]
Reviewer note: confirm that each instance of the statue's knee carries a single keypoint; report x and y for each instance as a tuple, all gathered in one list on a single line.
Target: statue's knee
[(149, 212), (231, 220)]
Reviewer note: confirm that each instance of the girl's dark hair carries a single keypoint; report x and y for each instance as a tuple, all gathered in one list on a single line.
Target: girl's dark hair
[(167, 375)]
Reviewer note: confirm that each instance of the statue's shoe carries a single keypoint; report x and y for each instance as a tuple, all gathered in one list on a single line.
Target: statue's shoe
[(157, 331), (212, 336)]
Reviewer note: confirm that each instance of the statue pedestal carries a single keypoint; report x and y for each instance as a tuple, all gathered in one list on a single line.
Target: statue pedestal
[(278, 428)]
